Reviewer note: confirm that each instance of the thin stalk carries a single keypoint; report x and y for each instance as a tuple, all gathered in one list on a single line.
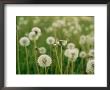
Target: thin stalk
[(57, 59), (51, 56), (18, 63), (61, 70), (27, 62), (67, 66), (45, 70), (35, 57)]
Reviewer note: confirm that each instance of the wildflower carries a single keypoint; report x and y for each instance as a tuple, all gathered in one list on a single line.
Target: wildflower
[(90, 67), (89, 39), (33, 36), (24, 41), (44, 60), (62, 42), (72, 54), (50, 40), (37, 31), (70, 45), (82, 54), (42, 50), (91, 52), (82, 39), (59, 24)]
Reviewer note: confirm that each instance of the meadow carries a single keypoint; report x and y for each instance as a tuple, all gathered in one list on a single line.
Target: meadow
[(54, 45)]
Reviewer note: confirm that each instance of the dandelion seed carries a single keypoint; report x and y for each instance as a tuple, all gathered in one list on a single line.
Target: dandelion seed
[(91, 52), (37, 31), (82, 54), (82, 39), (44, 60), (58, 24), (70, 45), (90, 39), (33, 36), (24, 41), (50, 40), (42, 50), (62, 42), (72, 54), (90, 67)]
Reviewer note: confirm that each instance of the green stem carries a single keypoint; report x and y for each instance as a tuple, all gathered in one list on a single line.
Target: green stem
[(18, 63), (61, 62), (57, 59), (67, 67), (27, 62), (45, 70), (35, 57), (51, 56)]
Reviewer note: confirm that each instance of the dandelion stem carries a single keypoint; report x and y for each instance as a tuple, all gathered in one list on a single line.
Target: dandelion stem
[(57, 59), (19, 71), (27, 62), (67, 66), (35, 57), (45, 70), (51, 56), (61, 61)]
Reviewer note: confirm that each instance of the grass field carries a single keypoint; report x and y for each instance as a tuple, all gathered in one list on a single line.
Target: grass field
[(54, 45)]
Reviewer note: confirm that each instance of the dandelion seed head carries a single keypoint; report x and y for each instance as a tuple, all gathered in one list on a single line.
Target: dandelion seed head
[(90, 67), (50, 40), (72, 54), (91, 52), (58, 24), (44, 60), (24, 41), (70, 45), (62, 42), (42, 50), (82, 39), (33, 36), (82, 54), (37, 31)]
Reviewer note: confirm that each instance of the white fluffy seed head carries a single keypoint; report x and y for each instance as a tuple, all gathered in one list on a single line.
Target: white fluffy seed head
[(62, 42), (82, 40), (91, 52), (82, 54), (90, 39), (70, 45), (42, 50), (58, 24), (37, 31), (50, 40), (90, 67), (33, 36), (44, 60), (24, 41), (72, 54)]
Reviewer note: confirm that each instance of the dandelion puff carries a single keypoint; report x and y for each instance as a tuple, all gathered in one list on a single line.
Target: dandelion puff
[(91, 52), (82, 39), (72, 54), (82, 54), (70, 45), (24, 41), (90, 67), (42, 50), (50, 40), (90, 39), (33, 36), (62, 42), (58, 24), (37, 31), (44, 60)]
